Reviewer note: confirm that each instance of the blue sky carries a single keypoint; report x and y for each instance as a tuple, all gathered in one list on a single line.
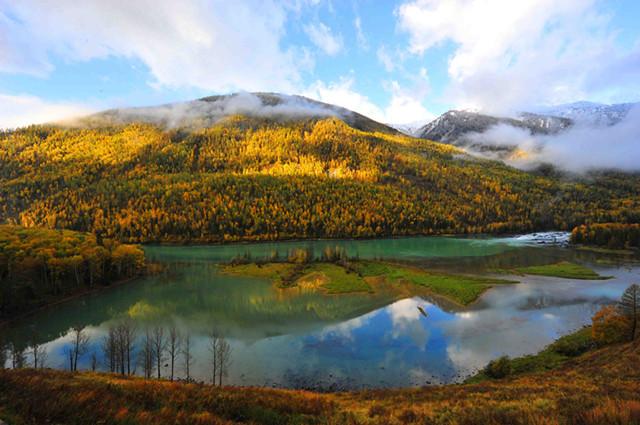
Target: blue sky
[(398, 61)]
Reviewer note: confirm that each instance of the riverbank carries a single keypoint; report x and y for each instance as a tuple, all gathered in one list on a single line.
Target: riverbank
[(602, 386)]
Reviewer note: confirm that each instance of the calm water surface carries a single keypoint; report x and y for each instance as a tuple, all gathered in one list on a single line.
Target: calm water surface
[(306, 339)]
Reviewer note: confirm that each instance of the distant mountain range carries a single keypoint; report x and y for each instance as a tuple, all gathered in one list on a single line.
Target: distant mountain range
[(453, 126), (592, 113), (456, 126)]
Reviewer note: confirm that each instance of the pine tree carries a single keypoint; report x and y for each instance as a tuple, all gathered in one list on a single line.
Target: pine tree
[(630, 308)]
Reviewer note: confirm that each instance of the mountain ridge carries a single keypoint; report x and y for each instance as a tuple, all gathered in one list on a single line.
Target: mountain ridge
[(455, 126), (210, 110)]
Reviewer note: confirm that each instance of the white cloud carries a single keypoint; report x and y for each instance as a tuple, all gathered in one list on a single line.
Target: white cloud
[(385, 59), (406, 107), (215, 45), (22, 110), (511, 54), (322, 36), (341, 93), (363, 43)]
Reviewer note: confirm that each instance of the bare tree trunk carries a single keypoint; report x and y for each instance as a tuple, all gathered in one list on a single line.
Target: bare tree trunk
[(79, 345), (94, 361), (224, 358), (147, 353), (187, 357), (174, 347), (159, 346), (214, 340)]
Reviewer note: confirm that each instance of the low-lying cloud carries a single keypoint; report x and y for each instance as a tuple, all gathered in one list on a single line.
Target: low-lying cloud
[(203, 113), (582, 147)]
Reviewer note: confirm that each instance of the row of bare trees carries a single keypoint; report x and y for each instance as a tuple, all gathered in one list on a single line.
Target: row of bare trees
[(162, 348), (123, 351)]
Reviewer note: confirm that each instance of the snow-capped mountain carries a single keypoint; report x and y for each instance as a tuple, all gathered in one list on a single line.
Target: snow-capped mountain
[(591, 113), (456, 126), (453, 126), (410, 129)]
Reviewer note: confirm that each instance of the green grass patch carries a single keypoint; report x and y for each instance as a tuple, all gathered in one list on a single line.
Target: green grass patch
[(339, 279), (551, 357), (563, 270), (462, 289), (601, 250), (336, 278)]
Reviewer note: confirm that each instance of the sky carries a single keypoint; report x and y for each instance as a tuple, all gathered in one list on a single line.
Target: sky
[(402, 61)]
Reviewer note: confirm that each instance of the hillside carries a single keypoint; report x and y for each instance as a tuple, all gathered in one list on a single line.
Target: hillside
[(253, 178), (600, 387)]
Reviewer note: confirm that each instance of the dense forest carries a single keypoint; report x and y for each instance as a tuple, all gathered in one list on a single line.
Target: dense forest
[(39, 266), (610, 235), (255, 179)]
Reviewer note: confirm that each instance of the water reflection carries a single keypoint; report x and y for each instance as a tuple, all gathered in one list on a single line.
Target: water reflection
[(303, 339)]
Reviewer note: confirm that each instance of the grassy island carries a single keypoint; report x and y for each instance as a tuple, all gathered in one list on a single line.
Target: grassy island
[(563, 269), (335, 274)]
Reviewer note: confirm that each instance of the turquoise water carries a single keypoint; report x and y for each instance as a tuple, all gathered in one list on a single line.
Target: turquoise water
[(311, 340)]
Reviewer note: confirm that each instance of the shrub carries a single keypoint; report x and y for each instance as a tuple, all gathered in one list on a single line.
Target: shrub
[(499, 368), (574, 344), (609, 326)]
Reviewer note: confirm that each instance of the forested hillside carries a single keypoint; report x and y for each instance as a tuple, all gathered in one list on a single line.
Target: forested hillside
[(610, 235), (257, 179)]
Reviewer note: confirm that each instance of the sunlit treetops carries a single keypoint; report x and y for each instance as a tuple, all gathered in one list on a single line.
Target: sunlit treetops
[(40, 265), (610, 235), (255, 179)]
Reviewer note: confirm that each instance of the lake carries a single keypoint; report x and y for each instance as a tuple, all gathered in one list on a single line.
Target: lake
[(306, 339)]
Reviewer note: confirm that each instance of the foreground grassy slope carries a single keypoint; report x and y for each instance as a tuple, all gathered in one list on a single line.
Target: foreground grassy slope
[(600, 387), (254, 179)]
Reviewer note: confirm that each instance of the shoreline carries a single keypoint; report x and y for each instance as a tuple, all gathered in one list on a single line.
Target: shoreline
[(480, 236), (92, 291)]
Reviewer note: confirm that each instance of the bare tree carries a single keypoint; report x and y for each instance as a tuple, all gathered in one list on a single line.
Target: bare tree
[(214, 341), (147, 354), (173, 347), (220, 352), (79, 344), (42, 358), (109, 348), (159, 347), (18, 358), (224, 358), (94, 361), (187, 357), (128, 338), (38, 354)]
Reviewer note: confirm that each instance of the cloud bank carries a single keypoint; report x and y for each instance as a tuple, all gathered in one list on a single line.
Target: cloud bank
[(202, 113), (23, 110), (217, 45), (511, 55), (583, 147)]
